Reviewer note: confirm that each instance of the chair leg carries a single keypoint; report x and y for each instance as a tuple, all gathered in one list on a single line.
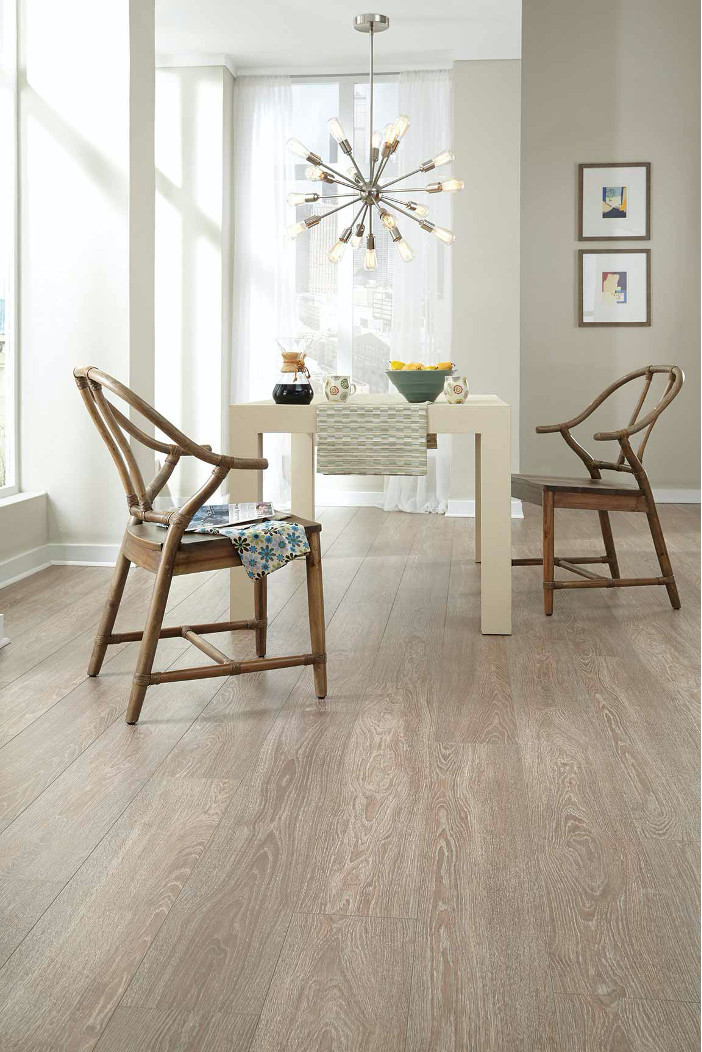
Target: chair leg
[(608, 539), (315, 602), (662, 552), (149, 641), (548, 550), (261, 613), (109, 614)]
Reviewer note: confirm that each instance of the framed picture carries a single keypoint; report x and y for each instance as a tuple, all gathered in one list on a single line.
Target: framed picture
[(614, 286), (614, 201)]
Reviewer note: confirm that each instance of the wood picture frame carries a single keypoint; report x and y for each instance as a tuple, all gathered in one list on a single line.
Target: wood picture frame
[(586, 323), (643, 210)]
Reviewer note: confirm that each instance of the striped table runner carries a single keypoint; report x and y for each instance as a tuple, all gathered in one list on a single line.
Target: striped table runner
[(383, 439)]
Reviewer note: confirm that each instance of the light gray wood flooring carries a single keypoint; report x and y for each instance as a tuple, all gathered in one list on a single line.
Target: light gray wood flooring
[(482, 843)]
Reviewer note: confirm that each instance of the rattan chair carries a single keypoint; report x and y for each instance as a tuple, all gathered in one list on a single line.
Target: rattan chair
[(169, 552), (596, 494)]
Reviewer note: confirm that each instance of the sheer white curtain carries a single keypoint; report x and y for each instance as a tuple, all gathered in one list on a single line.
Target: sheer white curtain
[(264, 266), (421, 297)]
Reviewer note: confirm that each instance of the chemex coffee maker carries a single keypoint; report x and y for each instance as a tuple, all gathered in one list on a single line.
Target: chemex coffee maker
[(293, 386)]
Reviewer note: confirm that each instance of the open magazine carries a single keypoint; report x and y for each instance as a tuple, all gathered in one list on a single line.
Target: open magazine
[(211, 517)]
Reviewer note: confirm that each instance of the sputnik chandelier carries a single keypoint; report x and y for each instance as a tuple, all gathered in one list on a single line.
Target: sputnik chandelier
[(369, 193)]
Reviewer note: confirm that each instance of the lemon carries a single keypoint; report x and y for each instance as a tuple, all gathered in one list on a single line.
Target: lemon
[(413, 366), (445, 365), (431, 366), (397, 365)]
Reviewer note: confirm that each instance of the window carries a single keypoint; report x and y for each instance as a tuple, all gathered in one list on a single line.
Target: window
[(348, 308), (8, 227)]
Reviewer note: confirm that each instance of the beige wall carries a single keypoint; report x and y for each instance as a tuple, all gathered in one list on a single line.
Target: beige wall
[(609, 80), (486, 252)]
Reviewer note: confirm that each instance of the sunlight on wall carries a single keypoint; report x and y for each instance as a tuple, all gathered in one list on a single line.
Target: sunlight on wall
[(190, 247)]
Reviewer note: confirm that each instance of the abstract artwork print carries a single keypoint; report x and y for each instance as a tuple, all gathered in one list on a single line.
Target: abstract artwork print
[(614, 202), (613, 286)]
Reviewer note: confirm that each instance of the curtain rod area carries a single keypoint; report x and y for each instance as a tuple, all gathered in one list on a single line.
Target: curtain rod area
[(330, 75)]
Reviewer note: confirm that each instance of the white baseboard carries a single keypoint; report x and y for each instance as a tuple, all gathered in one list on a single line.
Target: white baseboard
[(465, 509), (677, 496), (83, 554), (12, 570)]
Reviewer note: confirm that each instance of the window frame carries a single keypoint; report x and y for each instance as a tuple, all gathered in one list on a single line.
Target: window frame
[(9, 209)]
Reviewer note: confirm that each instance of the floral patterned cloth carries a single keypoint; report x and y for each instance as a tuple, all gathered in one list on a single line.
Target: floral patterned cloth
[(266, 546)]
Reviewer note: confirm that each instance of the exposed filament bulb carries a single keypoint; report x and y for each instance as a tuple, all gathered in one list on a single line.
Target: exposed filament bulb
[(358, 236), (419, 210), (299, 149), (402, 247), (316, 175), (296, 229), (302, 199), (447, 236), (340, 246), (371, 260), (336, 129)]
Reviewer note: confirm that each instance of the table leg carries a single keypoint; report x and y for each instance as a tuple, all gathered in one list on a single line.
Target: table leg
[(243, 486), (496, 566), (302, 475), (478, 507)]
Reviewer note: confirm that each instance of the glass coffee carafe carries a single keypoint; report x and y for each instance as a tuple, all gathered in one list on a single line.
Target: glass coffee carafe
[(293, 386)]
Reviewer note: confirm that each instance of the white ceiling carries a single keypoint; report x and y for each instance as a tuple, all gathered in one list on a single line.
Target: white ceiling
[(302, 35)]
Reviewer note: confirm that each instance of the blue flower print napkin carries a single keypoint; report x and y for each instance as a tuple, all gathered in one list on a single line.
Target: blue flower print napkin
[(266, 546)]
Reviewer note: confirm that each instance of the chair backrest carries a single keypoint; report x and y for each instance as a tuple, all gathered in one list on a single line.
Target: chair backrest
[(675, 379), (114, 428), (628, 460)]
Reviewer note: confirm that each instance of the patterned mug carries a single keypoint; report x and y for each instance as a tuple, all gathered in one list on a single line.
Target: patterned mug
[(338, 388), (456, 389)]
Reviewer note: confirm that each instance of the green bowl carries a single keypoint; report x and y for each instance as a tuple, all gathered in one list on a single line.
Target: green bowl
[(419, 385)]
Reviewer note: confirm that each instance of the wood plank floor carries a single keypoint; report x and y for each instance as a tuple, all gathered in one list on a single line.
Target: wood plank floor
[(481, 844)]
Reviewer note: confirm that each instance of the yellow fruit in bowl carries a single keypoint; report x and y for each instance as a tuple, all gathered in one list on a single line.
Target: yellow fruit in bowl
[(413, 366), (445, 365), (431, 367), (397, 365)]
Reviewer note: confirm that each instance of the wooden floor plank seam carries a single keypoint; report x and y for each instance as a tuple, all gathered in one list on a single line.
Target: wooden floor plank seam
[(273, 971), (112, 653), (330, 622)]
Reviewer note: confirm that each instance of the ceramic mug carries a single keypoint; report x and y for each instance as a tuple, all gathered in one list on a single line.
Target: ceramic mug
[(456, 389), (338, 388)]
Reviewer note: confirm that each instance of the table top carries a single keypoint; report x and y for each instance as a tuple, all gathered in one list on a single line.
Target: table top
[(478, 415), (471, 402)]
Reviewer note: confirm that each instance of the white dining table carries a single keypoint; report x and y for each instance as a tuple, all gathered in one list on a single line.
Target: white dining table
[(485, 416)]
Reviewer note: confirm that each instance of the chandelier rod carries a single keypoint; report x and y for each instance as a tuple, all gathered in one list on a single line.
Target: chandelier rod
[(370, 121), (341, 178), (360, 173), (358, 213), (338, 208), (400, 178), (389, 201), (406, 189), (383, 163)]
